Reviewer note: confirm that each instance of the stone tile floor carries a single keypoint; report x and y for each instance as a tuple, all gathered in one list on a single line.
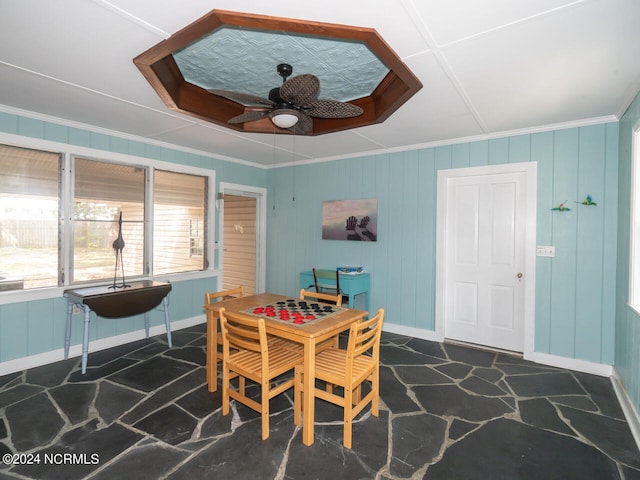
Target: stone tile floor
[(447, 412)]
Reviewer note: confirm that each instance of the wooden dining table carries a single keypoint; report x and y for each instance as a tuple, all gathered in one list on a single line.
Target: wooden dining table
[(308, 334)]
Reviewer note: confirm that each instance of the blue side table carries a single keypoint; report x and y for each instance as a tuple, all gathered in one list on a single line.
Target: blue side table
[(351, 285)]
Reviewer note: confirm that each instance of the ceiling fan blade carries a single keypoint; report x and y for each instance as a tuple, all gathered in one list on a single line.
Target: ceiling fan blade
[(244, 98), (249, 116), (332, 109), (300, 90), (304, 125)]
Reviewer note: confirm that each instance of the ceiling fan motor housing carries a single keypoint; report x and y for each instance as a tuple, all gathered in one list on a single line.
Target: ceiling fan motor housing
[(284, 70), (278, 101)]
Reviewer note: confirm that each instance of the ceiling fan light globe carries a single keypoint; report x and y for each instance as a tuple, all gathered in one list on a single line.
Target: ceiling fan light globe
[(285, 118)]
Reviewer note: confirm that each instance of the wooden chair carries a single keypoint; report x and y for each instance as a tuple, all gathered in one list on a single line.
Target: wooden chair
[(348, 369), (246, 353), (214, 337)]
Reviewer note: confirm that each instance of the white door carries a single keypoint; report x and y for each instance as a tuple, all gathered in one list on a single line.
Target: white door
[(485, 232)]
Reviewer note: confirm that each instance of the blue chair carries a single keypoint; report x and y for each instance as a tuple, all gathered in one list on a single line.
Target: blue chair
[(327, 281)]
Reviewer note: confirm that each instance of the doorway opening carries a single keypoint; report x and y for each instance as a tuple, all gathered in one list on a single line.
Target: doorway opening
[(242, 239)]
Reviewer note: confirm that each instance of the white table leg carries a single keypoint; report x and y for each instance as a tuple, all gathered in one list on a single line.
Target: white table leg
[(146, 324), (85, 339), (67, 332), (166, 320)]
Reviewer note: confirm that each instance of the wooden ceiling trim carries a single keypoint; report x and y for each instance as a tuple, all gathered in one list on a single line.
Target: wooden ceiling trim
[(161, 71)]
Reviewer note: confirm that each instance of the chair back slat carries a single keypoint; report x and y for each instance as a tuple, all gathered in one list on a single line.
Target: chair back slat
[(324, 297), (365, 335), (211, 297), (242, 332)]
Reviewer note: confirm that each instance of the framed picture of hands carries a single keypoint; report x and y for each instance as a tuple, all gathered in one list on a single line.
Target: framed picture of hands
[(355, 220)]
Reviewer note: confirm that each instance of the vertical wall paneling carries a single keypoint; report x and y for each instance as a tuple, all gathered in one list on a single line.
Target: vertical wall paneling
[(479, 153), (81, 138), (40, 327), (520, 149), (609, 228), (460, 155), (8, 123), (590, 239), (411, 214), (58, 318), (107, 328), (563, 277), (498, 151), (396, 230), (542, 152), (56, 133), (377, 268), (426, 241), (31, 127), (14, 330)]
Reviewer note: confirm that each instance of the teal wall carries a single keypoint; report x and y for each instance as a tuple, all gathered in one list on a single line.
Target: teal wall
[(627, 320), (575, 291), (35, 327)]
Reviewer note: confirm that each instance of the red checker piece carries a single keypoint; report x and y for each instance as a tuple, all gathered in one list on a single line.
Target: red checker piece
[(298, 321)]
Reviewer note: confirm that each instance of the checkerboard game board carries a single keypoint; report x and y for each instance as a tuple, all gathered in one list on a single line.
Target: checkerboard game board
[(295, 310)]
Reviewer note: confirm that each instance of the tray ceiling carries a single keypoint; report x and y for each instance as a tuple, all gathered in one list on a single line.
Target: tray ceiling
[(238, 52)]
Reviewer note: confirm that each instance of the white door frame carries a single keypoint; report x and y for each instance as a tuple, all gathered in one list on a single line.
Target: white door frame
[(260, 194), (530, 170)]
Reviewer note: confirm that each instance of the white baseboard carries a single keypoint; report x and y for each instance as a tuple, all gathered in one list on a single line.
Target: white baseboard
[(630, 413), (45, 358), (542, 358), (411, 332), (583, 366)]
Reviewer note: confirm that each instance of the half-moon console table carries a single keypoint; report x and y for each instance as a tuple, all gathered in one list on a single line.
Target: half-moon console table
[(109, 302)]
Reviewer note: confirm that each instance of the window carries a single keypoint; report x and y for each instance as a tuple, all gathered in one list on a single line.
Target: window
[(634, 260), (29, 212), (161, 214), (103, 191), (179, 203)]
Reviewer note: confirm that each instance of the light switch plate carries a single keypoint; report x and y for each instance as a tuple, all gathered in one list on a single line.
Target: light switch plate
[(546, 251)]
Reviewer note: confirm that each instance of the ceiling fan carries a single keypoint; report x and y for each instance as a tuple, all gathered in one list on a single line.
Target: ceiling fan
[(291, 105)]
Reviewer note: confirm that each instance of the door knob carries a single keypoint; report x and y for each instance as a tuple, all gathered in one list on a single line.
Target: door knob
[(519, 275)]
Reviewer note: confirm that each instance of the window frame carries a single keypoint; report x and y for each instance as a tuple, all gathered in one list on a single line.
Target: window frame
[(65, 248)]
